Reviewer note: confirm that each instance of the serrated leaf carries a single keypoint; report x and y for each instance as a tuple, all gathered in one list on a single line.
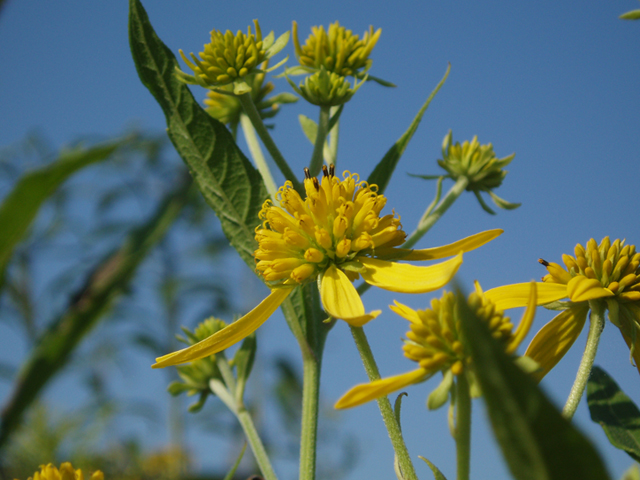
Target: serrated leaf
[(536, 441), (616, 413), (227, 180), (437, 474), (383, 171), (21, 205)]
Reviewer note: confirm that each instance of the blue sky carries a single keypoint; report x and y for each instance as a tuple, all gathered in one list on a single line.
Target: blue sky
[(554, 82)]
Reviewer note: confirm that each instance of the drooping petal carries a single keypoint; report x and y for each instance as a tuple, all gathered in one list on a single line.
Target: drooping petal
[(581, 289), (229, 335), (465, 245), (341, 299), (555, 338), (403, 278), (406, 312), (366, 392), (517, 294), (527, 320)]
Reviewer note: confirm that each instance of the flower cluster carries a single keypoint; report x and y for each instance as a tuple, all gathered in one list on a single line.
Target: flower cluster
[(435, 343), (606, 272), (66, 472), (335, 236)]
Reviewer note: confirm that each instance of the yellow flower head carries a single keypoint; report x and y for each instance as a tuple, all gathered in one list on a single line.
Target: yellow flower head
[(335, 235), (66, 472), (230, 58), (608, 272), (434, 341), (338, 51)]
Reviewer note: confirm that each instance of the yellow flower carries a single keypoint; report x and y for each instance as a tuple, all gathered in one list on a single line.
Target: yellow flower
[(338, 51), (436, 344), (66, 472), (606, 273), (334, 236), (230, 59)]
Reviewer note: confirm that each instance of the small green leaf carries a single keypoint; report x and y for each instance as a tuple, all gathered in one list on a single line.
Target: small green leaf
[(437, 474), (309, 128), (21, 205), (536, 441), (383, 171), (503, 203), (482, 203), (616, 413), (397, 406), (243, 360), (632, 15), (235, 466), (227, 180)]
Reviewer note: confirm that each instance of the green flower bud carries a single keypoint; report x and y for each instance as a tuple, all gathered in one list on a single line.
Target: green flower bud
[(338, 50), (326, 89), (230, 59)]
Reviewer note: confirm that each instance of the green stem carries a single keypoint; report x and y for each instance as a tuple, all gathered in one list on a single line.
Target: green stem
[(389, 418), (463, 427), (334, 136), (310, 402), (596, 326), (256, 153), (429, 218), (256, 444), (263, 133), (321, 136)]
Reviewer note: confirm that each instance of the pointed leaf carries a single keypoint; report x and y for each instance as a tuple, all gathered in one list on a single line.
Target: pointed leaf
[(228, 181), (631, 15), (437, 474), (243, 360), (616, 413), (383, 171), (21, 205), (536, 441)]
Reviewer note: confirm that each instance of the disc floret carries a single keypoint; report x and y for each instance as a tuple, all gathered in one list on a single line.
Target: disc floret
[(338, 221)]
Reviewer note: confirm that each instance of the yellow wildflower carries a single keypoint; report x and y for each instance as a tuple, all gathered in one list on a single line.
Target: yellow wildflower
[(436, 344), (66, 472), (608, 272), (334, 236)]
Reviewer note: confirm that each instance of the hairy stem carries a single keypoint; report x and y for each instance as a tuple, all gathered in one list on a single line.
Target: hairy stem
[(596, 319), (251, 112), (321, 136), (256, 153), (256, 444), (399, 447), (463, 427)]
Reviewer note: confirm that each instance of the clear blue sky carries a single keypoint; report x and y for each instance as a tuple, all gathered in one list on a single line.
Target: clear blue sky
[(555, 82)]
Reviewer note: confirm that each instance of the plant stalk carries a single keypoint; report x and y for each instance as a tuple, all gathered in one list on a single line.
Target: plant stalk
[(251, 112), (596, 325), (389, 418), (256, 444), (429, 218), (463, 427), (321, 136), (334, 136), (256, 153)]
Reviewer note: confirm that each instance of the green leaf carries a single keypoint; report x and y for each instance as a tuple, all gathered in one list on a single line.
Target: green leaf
[(616, 413), (228, 181), (536, 441), (437, 474), (21, 205), (632, 15), (236, 464), (309, 128), (397, 407), (383, 171), (87, 306), (243, 360), (503, 203)]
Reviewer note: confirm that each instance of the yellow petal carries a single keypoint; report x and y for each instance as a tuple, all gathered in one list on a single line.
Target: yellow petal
[(403, 278), (581, 289), (465, 245), (365, 392), (229, 335), (517, 294), (555, 338), (406, 312), (527, 320), (341, 299)]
